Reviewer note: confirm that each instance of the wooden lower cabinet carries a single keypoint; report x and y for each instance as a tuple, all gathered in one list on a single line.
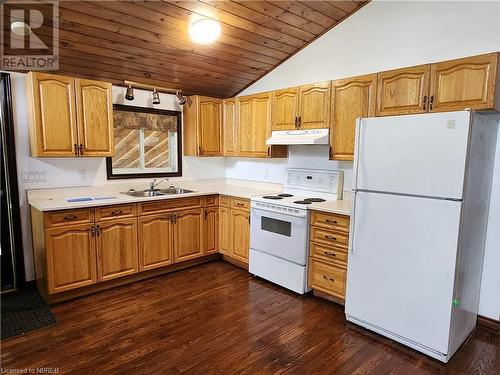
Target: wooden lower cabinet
[(156, 241), (116, 248), (70, 257), (211, 230), (240, 220), (327, 278), (225, 232), (188, 235)]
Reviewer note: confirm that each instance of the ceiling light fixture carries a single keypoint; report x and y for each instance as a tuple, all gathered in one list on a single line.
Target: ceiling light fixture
[(20, 28), (156, 97), (129, 95), (182, 99), (204, 31)]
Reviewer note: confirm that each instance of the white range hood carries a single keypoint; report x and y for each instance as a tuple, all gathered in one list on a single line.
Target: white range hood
[(299, 137)]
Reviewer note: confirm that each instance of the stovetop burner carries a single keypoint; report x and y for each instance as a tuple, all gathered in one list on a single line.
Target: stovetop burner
[(285, 195), (303, 202), (315, 199), (272, 197)]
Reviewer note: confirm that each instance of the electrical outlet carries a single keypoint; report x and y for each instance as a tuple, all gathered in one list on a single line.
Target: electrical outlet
[(34, 177), (83, 175)]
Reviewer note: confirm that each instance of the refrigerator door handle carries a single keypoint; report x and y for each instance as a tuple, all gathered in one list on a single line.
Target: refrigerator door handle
[(357, 141), (352, 223)]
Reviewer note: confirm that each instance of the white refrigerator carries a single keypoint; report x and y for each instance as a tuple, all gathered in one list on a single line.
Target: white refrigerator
[(421, 186)]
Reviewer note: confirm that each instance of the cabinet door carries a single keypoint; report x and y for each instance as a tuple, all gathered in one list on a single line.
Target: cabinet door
[(71, 257), (403, 91), (225, 231), (351, 98), (95, 118), (116, 248), (155, 241), (464, 83), (229, 125), (209, 141), (241, 234), (188, 235), (254, 125), (285, 109), (211, 230), (314, 106), (52, 115)]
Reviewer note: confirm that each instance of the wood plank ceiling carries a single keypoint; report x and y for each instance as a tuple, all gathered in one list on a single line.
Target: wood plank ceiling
[(148, 41)]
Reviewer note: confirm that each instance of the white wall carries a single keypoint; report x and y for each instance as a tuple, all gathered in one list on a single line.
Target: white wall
[(67, 171), (386, 35)]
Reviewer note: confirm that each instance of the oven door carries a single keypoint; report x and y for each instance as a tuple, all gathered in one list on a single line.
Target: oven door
[(283, 236)]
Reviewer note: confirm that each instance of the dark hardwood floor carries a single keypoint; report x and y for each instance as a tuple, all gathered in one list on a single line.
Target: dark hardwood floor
[(216, 318)]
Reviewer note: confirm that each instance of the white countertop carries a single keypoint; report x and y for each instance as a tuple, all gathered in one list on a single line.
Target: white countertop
[(56, 199)]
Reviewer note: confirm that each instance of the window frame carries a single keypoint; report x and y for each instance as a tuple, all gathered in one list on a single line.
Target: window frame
[(122, 176)]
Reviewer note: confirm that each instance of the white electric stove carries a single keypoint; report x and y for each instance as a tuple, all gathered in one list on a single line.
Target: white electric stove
[(279, 226)]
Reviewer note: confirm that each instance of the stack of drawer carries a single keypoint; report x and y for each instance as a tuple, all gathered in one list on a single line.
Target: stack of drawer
[(329, 241)]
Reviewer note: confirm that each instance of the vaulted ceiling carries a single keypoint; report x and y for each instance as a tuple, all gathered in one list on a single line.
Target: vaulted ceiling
[(148, 41)]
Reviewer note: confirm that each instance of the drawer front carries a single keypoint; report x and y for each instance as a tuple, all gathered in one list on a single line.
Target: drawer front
[(330, 221), (225, 201), (333, 254), (110, 212), (57, 218), (329, 237), (170, 204), (240, 203), (327, 278), (211, 200)]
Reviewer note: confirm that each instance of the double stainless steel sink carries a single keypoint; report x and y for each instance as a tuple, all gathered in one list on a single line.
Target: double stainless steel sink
[(157, 192)]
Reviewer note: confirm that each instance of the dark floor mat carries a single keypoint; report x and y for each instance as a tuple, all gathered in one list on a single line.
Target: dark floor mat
[(23, 311)]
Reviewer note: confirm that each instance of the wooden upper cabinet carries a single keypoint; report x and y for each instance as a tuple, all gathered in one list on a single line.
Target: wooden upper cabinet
[(314, 106), (202, 126), (188, 235), (211, 230), (229, 122), (71, 257), (52, 113), (351, 98), (155, 241), (254, 125), (403, 91), (117, 254), (95, 117), (465, 83), (240, 221), (285, 108)]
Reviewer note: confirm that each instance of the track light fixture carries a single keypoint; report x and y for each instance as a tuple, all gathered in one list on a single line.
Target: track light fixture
[(156, 97), (182, 99), (129, 95)]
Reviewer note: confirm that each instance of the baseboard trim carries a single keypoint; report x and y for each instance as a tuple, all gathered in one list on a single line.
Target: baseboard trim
[(488, 322)]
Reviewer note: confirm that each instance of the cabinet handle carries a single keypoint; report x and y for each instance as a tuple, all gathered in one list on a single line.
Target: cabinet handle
[(331, 238), (173, 218), (328, 278), (70, 217), (80, 149), (331, 221), (425, 102), (431, 102), (330, 253), (92, 231), (300, 122), (98, 230), (76, 149), (200, 150), (268, 151), (206, 214), (117, 212), (240, 204), (249, 218)]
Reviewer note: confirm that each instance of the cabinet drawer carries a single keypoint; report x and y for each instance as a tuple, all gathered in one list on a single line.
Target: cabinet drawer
[(240, 203), (330, 221), (327, 278), (211, 200), (331, 254), (329, 237), (110, 212), (79, 216), (170, 204), (225, 201)]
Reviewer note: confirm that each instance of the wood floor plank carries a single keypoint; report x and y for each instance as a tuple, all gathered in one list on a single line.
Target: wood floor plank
[(217, 318)]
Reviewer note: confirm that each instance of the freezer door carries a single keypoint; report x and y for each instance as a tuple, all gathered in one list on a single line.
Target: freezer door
[(422, 155), (401, 266)]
